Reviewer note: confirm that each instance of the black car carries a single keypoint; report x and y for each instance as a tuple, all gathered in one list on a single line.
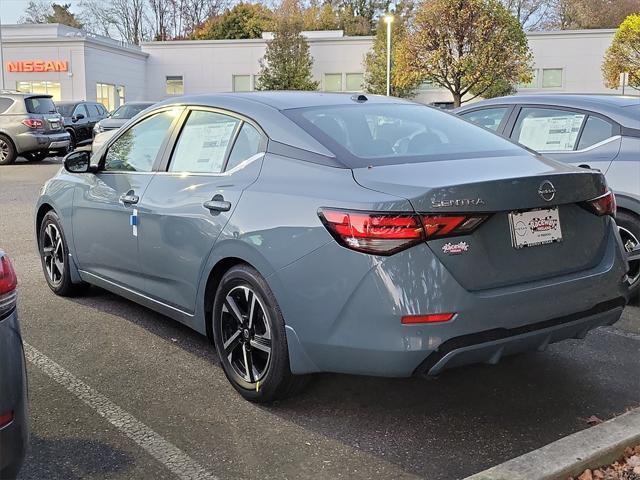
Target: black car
[(14, 432), (79, 120)]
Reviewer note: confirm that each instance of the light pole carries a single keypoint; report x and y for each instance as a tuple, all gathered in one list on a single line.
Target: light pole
[(388, 19)]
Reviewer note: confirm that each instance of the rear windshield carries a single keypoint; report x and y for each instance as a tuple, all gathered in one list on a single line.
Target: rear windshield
[(382, 134), (65, 110), (129, 111), (40, 105)]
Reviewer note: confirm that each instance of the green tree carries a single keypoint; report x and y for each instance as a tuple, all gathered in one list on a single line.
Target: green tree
[(320, 17), (466, 46), (375, 62), (623, 56), (244, 20), (286, 64)]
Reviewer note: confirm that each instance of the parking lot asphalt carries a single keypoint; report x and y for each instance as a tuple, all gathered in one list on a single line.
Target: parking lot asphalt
[(118, 391)]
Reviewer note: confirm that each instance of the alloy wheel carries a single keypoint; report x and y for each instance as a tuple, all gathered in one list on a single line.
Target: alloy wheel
[(246, 334), (4, 150), (630, 241), (53, 253)]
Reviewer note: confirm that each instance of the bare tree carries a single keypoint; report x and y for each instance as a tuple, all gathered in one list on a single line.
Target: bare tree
[(195, 12), (530, 13), (36, 12)]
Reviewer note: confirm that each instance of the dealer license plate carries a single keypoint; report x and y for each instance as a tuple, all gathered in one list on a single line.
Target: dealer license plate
[(535, 227)]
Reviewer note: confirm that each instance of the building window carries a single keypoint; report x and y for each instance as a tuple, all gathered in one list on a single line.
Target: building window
[(551, 78), (47, 88), (121, 95), (175, 85), (105, 94), (533, 83), (354, 82), (242, 83), (332, 82)]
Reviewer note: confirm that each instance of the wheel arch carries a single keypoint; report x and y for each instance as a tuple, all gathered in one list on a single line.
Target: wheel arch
[(41, 212), (8, 137)]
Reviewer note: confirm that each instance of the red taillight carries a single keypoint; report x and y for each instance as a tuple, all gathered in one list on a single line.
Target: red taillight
[(378, 233), (8, 283), (387, 233), (431, 318), (438, 226), (33, 123), (603, 205), (6, 419)]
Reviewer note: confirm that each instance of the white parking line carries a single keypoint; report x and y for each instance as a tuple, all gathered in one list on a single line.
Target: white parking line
[(178, 462)]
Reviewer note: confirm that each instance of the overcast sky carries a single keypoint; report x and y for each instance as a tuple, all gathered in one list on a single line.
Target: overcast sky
[(12, 10)]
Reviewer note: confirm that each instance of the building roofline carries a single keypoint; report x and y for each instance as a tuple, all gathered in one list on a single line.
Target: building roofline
[(589, 31), (252, 41)]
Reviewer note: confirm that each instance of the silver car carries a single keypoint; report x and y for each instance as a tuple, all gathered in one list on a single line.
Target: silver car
[(591, 131), (309, 232), (120, 116)]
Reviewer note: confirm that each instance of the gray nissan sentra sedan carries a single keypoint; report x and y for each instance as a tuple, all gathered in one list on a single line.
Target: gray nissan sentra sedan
[(311, 232)]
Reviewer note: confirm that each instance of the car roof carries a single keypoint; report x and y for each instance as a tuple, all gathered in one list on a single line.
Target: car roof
[(11, 93), (612, 106), (284, 100), (137, 103)]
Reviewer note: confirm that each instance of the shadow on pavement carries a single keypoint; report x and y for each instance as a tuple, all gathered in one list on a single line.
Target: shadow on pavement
[(71, 459)]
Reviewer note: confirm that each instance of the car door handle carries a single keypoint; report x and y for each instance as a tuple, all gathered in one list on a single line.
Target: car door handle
[(129, 198), (217, 204)]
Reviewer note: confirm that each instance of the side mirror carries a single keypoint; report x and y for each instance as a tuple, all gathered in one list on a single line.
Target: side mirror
[(78, 161), (80, 116)]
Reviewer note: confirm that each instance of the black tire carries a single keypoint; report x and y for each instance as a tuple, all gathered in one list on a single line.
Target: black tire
[(35, 156), (270, 378), (629, 226), (72, 141), (54, 256), (8, 152)]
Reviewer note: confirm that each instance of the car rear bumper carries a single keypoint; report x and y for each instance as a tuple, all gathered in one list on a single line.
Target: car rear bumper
[(29, 141), (354, 324), (13, 397)]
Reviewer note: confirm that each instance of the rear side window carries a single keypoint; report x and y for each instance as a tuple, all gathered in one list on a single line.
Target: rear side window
[(203, 143), (40, 105), (5, 103), (382, 134), (247, 144), (595, 130), (548, 129), (490, 118)]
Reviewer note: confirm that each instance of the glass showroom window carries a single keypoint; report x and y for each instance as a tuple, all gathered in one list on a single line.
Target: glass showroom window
[(354, 82), (533, 83), (174, 85), (106, 95), (242, 83), (332, 82), (121, 95), (551, 78), (48, 88)]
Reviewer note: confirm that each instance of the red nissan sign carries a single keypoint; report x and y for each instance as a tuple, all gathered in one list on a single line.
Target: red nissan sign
[(38, 66)]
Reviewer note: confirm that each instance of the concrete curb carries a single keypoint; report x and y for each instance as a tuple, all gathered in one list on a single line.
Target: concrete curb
[(571, 455)]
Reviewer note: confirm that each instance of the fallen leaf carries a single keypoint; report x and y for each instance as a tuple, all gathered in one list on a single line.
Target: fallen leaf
[(593, 420), (586, 475)]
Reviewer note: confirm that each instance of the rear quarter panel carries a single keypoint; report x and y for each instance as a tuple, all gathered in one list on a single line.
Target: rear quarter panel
[(623, 175)]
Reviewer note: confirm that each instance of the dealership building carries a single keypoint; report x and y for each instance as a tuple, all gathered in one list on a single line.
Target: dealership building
[(72, 64)]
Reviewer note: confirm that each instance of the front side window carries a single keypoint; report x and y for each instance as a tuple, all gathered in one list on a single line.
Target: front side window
[(490, 118), (80, 110), (174, 85), (203, 143), (383, 134), (247, 144), (332, 82), (548, 129), (137, 148), (595, 131), (552, 78)]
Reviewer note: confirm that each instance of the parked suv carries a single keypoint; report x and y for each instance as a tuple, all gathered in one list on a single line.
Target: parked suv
[(29, 126), (79, 118), (601, 132)]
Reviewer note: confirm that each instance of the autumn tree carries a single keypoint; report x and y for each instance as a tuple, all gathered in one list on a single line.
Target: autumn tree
[(286, 64), (45, 12), (320, 16), (244, 20), (468, 47), (623, 56), (375, 77), (530, 13), (580, 14)]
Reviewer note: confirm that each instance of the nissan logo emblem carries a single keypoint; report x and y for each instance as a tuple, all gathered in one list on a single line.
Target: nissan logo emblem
[(547, 191)]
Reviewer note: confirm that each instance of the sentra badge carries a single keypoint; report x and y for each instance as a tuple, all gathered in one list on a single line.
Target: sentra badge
[(458, 202)]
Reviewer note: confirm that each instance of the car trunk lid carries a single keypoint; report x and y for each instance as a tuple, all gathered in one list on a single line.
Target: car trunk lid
[(487, 257)]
